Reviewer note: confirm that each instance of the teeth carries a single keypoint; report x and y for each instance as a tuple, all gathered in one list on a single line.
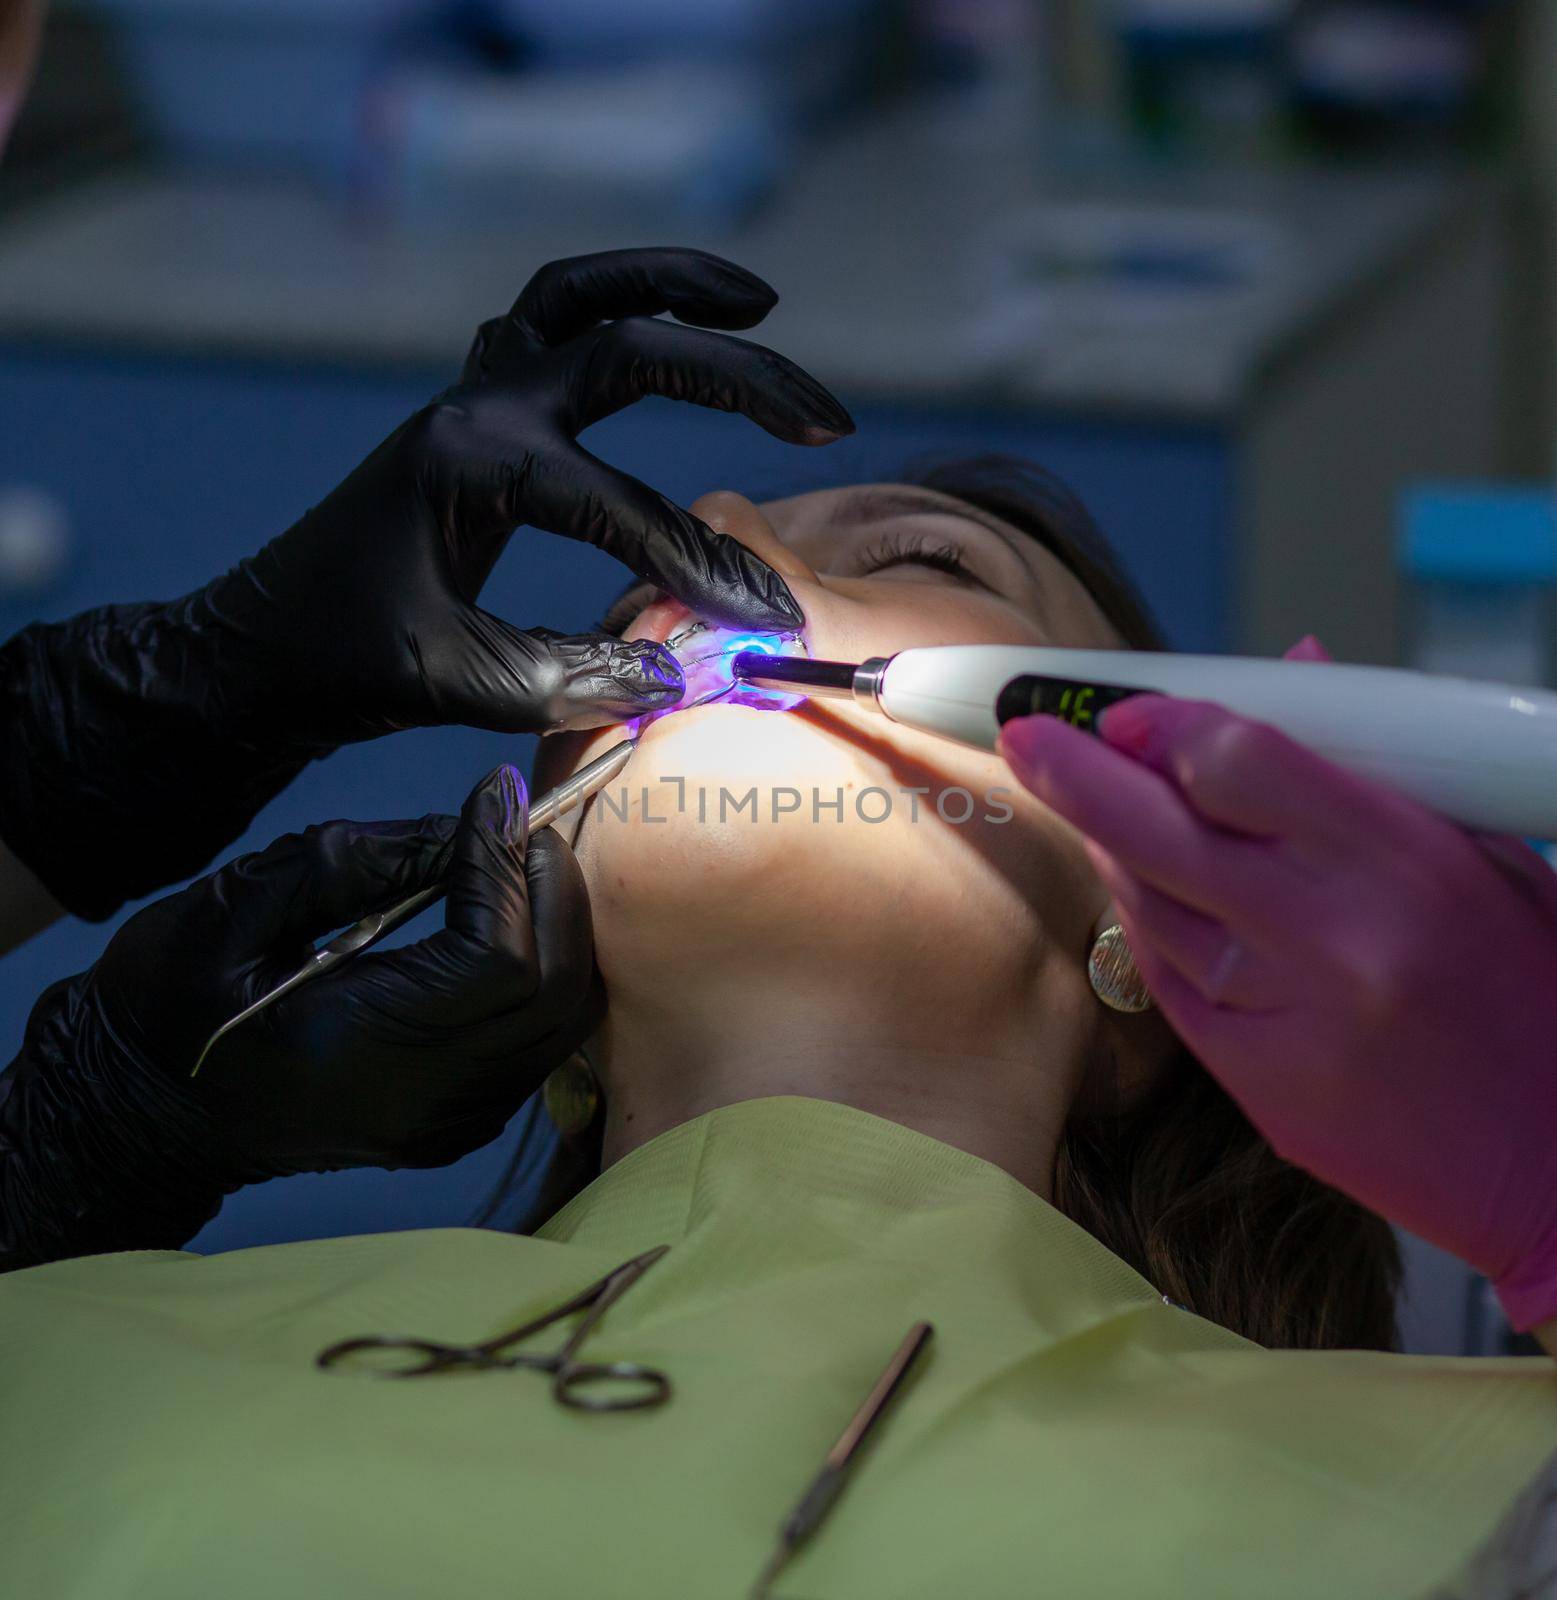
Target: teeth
[(703, 651), (697, 658), (692, 629)]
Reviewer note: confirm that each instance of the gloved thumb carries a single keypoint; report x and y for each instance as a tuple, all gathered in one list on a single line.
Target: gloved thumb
[(535, 680), (489, 900), (517, 932), (308, 884)]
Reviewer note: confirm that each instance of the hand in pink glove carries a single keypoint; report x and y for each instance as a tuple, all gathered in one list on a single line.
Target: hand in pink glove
[(1376, 988)]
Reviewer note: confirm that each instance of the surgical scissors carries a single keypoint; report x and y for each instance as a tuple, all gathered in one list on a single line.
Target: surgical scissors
[(418, 1358)]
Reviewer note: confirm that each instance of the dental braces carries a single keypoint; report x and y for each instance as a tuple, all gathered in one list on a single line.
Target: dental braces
[(720, 647), (698, 626)]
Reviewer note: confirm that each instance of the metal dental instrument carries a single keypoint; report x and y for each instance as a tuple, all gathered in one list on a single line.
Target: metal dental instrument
[(619, 1385), (1484, 754), (363, 935), (827, 1485)]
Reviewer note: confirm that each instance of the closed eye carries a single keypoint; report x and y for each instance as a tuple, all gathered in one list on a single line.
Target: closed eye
[(897, 547), (901, 548)]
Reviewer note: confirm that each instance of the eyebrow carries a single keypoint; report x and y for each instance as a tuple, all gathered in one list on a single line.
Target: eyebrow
[(879, 504)]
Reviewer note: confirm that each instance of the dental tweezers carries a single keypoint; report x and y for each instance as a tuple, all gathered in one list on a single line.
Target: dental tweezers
[(363, 935)]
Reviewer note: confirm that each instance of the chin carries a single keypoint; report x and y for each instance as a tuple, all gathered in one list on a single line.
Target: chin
[(678, 857), (700, 796)]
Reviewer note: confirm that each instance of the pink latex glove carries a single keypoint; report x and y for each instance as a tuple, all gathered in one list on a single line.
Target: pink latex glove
[(1374, 986)]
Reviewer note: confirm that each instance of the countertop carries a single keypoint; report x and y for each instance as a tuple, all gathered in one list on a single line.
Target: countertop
[(903, 247)]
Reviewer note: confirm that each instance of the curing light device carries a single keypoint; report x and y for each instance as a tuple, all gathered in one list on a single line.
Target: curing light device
[(1484, 754)]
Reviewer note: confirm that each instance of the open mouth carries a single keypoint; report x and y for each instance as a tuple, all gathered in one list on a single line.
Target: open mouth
[(706, 654)]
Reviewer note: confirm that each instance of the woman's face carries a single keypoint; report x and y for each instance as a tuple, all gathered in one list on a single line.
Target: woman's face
[(860, 852)]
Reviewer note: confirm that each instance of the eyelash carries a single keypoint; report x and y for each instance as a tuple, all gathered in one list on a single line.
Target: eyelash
[(894, 549), (912, 549)]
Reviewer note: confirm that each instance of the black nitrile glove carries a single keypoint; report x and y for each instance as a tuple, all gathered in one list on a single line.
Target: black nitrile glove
[(139, 740), (402, 1058)]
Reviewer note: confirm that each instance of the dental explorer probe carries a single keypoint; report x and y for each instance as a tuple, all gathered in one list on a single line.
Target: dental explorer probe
[(363, 935), (829, 1482), (1484, 754)]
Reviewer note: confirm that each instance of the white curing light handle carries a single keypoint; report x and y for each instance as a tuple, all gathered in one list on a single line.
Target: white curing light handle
[(1484, 754)]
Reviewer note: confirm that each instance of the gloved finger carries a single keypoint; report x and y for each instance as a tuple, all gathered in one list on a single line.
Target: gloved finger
[(1219, 965), (308, 884), (487, 921), (522, 1056), (490, 958), (448, 1141), (1249, 777), (712, 574), (519, 1047), (533, 680), (1308, 648), (1144, 823), (564, 942), (1215, 1035), (566, 298), (1527, 869), (641, 357)]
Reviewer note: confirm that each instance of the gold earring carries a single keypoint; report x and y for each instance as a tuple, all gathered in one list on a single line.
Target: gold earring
[(571, 1096), (1113, 974)]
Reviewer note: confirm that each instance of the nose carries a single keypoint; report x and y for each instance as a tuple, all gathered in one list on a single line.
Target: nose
[(733, 514)]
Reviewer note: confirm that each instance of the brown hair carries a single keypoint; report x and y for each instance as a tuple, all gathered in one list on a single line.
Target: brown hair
[(1183, 1187)]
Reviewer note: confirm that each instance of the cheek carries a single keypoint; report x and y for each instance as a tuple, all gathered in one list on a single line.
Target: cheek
[(852, 618), (712, 813), (733, 832), (735, 835)]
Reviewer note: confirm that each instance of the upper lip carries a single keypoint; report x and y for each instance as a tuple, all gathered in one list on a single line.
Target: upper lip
[(660, 619)]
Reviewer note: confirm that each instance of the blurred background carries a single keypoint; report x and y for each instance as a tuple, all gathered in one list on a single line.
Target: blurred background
[(1267, 281)]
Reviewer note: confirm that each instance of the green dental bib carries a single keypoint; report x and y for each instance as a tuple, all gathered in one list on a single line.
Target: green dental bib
[(168, 1437)]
